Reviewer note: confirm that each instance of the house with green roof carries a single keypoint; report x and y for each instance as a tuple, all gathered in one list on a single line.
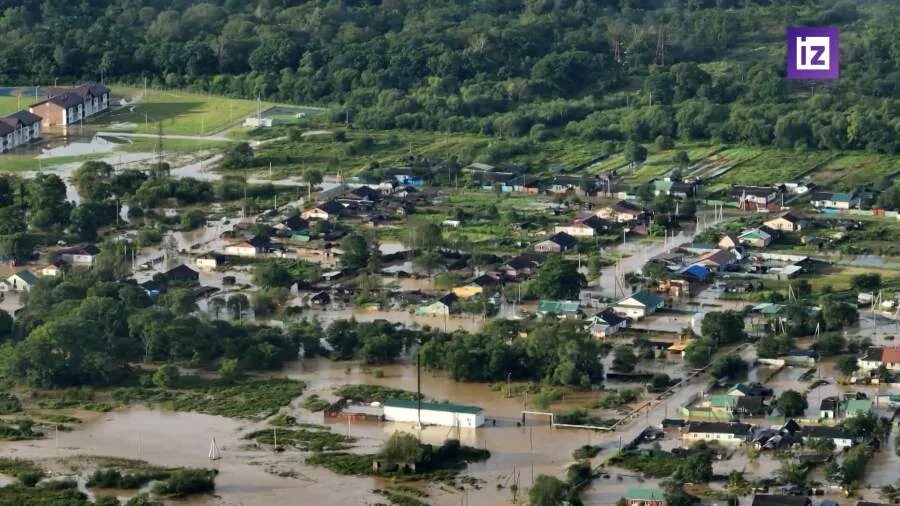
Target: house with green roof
[(645, 497), (638, 305), (560, 308), (856, 407), (834, 200), (433, 413), (755, 237), (22, 281)]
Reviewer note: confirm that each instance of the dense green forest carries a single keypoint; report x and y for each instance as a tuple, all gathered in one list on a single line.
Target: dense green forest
[(536, 69)]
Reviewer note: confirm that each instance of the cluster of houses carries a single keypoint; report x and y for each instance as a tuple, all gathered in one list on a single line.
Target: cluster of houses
[(15, 278), (61, 109), (774, 198), (657, 497)]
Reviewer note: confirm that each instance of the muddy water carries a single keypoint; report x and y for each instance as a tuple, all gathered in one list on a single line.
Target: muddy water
[(513, 448), (183, 439)]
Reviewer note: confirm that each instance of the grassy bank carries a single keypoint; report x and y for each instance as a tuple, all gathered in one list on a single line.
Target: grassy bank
[(250, 399)]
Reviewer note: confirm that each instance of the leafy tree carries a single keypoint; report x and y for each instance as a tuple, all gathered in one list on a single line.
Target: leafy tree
[(624, 359), (792, 473), (166, 376), (830, 344), (635, 152), (660, 382), (401, 448), (356, 252), (192, 219), (847, 364), (723, 327), (230, 370), (791, 403), (868, 282), (699, 353), (313, 178), (557, 279), (547, 491), (46, 198), (729, 366), (696, 468), (341, 335), (84, 223), (837, 313), (93, 180), (426, 235), (821, 445), (238, 156), (774, 346), (181, 301), (681, 158), (272, 273)]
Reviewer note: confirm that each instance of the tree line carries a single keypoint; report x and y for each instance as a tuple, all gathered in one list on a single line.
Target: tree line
[(610, 69)]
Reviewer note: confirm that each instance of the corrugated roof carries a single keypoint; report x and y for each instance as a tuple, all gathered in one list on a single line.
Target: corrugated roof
[(432, 406), (558, 306), (645, 494), (645, 298)]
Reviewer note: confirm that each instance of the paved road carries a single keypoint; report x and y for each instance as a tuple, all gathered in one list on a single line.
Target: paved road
[(660, 409)]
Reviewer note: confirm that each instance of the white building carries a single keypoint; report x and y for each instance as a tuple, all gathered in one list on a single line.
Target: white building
[(888, 356), (723, 432), (208, 262), (18, 129), (433, 413), (82, 256), (22, 281), (638, 305)]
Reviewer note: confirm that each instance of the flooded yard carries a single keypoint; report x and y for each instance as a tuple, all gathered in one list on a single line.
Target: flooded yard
[(246, 473)]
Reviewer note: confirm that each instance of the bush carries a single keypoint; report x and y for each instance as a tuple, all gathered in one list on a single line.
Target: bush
[(186, 482), (30, 478), (586, 452), (9, 404)]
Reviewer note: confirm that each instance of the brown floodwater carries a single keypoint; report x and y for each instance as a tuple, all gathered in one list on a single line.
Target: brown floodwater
[(246, 473)]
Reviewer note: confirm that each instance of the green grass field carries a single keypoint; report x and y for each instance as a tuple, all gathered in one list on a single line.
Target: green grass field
[(9, 105), (17, 163), (181, 113)]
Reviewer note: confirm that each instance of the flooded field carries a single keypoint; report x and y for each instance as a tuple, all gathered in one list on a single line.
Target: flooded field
[(246, 473)]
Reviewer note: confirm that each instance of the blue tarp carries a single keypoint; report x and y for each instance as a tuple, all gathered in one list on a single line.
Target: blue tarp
[(697, 271)]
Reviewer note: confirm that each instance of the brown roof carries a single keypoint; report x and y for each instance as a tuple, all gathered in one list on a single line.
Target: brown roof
[(24, 118), (77, 95), (718, 257), (891, 355)]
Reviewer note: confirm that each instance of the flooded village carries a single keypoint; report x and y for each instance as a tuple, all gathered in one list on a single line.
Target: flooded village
[(675, 341)]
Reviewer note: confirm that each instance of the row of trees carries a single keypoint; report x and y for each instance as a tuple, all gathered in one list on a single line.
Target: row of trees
[(555, 352), (477, 67), (87, 329)]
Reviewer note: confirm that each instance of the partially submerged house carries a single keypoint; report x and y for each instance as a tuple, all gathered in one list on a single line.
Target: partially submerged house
[(73, 105), (722, 432), (556, 243), (638, 305), (877, 356)]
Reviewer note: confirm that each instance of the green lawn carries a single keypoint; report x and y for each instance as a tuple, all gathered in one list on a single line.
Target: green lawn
[(16, 163), (181, 113), (9, 105)]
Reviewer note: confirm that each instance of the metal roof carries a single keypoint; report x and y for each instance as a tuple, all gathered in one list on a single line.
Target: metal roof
[(432, 406)]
